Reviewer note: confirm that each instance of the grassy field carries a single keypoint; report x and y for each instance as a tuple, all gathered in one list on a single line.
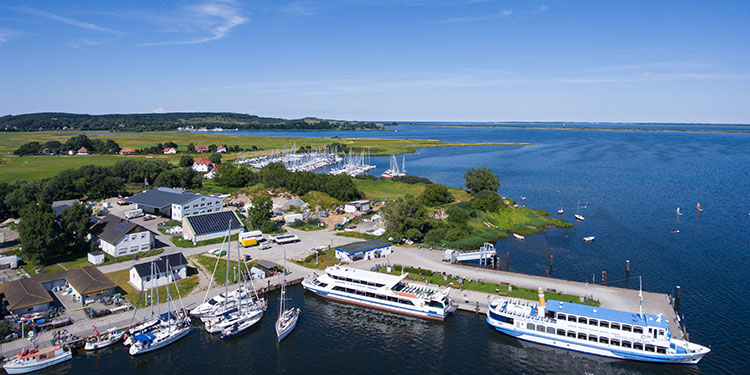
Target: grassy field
[(325, 258), (490, 288), (384, 189), (36, 167), (122, 277), (209, 262), (84, 260)]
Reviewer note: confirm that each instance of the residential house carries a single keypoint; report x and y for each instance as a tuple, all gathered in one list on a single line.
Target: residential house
[(174, 203), (170, 150), (82, 151), (118, 236), (127, 151), (201, 148), (162, 271), (221, 149), (203, 165)]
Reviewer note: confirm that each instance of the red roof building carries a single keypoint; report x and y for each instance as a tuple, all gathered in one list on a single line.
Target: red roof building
[(203, 165), (201, 148), (83, 151), (126, 150)]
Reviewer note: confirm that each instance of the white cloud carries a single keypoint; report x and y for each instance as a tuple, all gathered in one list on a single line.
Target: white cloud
[(298, 9), (66, 20), (159, 110), (83, 43), (500, 14), (215, 18)]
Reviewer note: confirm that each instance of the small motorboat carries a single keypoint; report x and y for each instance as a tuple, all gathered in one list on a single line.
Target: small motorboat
[(518, 236), (579, 217), (523, 198), (112, 336), (589, 239), (675, 231), (28, 360)]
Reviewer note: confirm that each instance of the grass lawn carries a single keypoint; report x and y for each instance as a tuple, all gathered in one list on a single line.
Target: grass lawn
[(316, 198), (209, 262), (181, 242), (524, 220), (491, 288), (122, 277), (84, 261), (385, 189), (325, 258), (30, 268)]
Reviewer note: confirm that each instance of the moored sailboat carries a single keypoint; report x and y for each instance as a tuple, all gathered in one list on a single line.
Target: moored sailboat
[(287, 319)]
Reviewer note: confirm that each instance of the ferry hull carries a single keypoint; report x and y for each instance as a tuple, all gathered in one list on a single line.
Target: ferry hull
[(364, 303), (572, 344)]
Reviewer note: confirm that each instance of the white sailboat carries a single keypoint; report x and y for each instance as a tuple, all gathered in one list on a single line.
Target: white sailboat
[(578, 215), (112, 336), (177, 326), (678, 211), (394, 170), (589, 239), (518, 236), (241, 320), (560, 211), (287, 317)]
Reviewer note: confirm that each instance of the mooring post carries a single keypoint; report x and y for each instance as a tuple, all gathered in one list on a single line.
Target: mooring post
[(507, 261), (551, 262), (677, 295), (604, 277), (546, 273), (627, 269)]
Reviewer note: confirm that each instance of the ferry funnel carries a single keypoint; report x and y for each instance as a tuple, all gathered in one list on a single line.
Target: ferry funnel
[(542, 303)]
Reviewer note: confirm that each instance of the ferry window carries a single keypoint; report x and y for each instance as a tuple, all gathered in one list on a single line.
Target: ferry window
[(338, 288), (603, 324), (561, 332), (407, 302), (370, 294), (661, 350), (638, 329), (540, 328), (615, 342), (530, 326), (638, 346), (615, 326), (560, 316), (582, 336), (593, 338), (582, 320), (626, 328), (435, 304), (604, 340), (392, 299), (551, 330), (661, 332), (571, 318), (650, 348), (593, 322), (571, 334), (626, 344)]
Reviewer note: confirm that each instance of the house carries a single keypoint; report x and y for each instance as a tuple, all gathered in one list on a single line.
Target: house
[(221, 149), (201, 148), (60, 206), (96, 257), (174, 203), (24, 296), (82, 151), (357, 206), (162, 271), (363, 250), (118, 236), (211, 174), (199, 227), (126, 151), (170, 150), (47, 151), (203, 165)]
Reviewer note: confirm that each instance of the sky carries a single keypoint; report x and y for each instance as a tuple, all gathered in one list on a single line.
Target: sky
[(382, 60)]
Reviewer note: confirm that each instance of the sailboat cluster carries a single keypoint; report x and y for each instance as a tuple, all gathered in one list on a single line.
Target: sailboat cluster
[(394, 171), (294, 161), (354, 165)]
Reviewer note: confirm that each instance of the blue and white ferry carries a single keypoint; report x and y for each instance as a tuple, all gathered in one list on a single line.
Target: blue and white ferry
[(593, 330), (381, 291)]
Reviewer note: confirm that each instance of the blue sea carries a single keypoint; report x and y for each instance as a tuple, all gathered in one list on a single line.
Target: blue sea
[(631, 183)]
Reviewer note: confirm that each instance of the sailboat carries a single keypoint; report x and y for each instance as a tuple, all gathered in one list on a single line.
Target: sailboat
[(177, 326), (699, 207), (678, 211), (287, 317), (578, 216), (112, 336), (394, 170), (560, 211), (148, 324), (240, 321)]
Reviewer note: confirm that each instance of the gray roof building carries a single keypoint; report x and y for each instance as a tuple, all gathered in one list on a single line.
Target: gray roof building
[(111, 228), (358, 247), (162, 197), (60, 206), (160, 264)]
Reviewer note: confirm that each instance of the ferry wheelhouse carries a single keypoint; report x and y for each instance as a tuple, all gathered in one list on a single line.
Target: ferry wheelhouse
[(381, 291), (593, 330)]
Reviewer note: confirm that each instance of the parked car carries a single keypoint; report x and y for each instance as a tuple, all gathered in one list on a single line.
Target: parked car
[(149, 217), (265, 246)]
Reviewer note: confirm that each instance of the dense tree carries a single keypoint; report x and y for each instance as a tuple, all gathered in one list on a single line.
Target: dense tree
[(479, 179), (134, 170), (234, 176), (30, 148), (486, 200), (170, 144), (5, 213), (435, 195), (191, 148), (407, 219), (39, 234), (186, 160), (21, 195), (215, 158), (75, 225), (260, 214), (180, 178)]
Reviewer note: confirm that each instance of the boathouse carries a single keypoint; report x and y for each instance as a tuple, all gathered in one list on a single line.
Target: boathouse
[(363, 250), (144, 275)]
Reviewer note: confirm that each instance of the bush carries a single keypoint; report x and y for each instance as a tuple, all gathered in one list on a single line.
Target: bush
[(412, 180)]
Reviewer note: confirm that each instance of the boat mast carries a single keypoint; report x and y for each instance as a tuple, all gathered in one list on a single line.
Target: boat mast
[(283, 287), (640, 294)]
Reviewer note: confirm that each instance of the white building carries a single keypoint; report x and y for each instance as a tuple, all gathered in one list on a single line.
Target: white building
[(96, 257), (363, 250), (156, 273), (357, 206), (118, 236), (203, 165), (175, 203), (170, 150), (201, 227)]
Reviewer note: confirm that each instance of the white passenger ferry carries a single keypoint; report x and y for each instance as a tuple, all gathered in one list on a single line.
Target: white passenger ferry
[(380, 291), (593, 330)]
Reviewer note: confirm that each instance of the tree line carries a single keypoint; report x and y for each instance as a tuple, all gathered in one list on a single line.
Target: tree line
[(167, 121), (96, 145)]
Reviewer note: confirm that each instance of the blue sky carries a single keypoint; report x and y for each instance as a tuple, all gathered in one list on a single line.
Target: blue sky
[(438, 60)]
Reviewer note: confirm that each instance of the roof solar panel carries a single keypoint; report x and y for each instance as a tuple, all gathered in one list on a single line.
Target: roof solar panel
[(121, 227), (214, 222)]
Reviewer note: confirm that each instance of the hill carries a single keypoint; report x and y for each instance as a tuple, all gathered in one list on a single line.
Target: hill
[(168, 121)]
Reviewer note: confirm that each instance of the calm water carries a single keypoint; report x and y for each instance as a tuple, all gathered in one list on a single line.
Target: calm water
[(632, 184)]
